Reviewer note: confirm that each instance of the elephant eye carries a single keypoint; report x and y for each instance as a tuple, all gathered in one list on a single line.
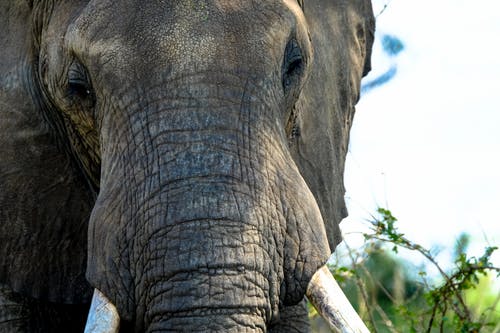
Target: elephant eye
[(78, 88), (293, 65), (78, 85)]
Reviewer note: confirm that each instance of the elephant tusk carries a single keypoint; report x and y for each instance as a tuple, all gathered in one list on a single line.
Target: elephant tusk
[(103, 316), (331, 303)]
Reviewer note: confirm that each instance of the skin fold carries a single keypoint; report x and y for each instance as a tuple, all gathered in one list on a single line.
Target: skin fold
[(185, 158)]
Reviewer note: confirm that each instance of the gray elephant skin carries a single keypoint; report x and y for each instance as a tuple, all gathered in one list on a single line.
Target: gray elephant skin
[(185, 158)]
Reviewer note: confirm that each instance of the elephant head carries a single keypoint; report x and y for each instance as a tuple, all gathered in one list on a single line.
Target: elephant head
[(200, 143)]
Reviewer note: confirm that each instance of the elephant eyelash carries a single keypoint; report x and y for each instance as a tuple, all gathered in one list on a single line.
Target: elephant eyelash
[(78, 84)]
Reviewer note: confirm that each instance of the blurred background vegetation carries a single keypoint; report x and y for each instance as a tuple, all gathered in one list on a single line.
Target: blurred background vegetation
[(393, 295)]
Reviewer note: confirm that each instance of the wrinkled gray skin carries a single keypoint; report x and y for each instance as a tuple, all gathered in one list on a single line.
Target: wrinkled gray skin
[(194, 140)]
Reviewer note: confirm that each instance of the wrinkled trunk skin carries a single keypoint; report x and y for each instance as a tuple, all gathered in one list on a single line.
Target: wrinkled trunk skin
[(203, 222)]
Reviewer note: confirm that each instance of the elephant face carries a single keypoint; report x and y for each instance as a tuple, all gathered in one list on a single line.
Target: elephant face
[(203, 142)]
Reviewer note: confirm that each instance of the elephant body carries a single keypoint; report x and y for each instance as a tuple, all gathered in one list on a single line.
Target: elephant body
[(185, 158)]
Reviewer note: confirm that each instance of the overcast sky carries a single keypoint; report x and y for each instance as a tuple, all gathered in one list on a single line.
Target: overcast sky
[(427, 143)]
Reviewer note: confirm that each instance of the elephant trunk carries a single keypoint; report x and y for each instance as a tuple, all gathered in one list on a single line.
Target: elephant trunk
[(214, 300), (202, 220), (185, 231), (210, 270), (199, 261)]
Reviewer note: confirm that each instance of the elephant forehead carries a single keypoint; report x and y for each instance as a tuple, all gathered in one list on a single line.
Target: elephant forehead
[(178, 33)]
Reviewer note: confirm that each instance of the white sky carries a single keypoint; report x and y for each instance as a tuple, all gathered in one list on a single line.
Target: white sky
[(427, 144)]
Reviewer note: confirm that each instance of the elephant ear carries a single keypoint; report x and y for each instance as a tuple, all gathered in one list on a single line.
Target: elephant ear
[(45, 201), (342, 35)]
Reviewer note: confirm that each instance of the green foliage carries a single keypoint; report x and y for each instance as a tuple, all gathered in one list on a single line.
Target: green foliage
[(390, 297)]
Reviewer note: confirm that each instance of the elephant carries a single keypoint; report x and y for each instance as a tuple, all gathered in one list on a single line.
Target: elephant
[(175, 166)]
